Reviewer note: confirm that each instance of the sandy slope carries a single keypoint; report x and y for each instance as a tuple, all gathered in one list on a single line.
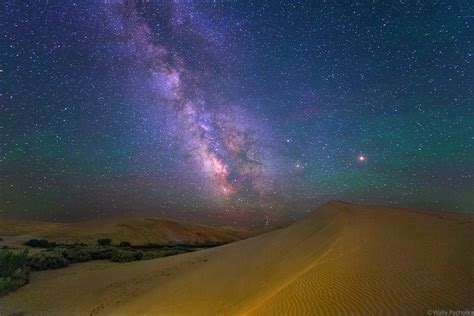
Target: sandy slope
[(342, 259), (133, 230)]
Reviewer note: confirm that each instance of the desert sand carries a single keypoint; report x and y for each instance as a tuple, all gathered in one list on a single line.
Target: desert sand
[(341, 259)]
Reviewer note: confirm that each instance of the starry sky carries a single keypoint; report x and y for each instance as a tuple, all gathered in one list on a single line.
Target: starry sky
[(234, 108)]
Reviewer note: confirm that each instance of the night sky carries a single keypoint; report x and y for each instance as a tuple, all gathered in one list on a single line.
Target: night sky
[(231, 107)]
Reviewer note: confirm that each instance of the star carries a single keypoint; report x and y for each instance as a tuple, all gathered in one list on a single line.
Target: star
[(183, 106)]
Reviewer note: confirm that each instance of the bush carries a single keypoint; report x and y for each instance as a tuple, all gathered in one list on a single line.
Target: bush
[(83, 254), (47, 260), (139, 256), (125, 244), (151, 254), (74, 255), (14, 272), (165, 252), (99, 253), (126, 256), (9, 284), (40, 243), (104, 242), (11, 261)]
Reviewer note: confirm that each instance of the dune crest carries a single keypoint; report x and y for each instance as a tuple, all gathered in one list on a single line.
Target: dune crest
[(342, 258)]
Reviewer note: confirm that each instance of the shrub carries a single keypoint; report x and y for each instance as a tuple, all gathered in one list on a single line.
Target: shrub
[(125, 244), (99, 252), (14, 272), (9, 284), (126, 256), (11, 261), (138, 256), (77, 255), (47, 260), (40, 243), (151, 254), (104, 242), (170, 252)]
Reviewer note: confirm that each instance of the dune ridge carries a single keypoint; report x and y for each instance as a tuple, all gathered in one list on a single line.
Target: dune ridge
[(341, 259)]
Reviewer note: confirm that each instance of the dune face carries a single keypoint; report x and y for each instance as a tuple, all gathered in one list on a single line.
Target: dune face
[(341, 259), (137, 231), (384, 262)]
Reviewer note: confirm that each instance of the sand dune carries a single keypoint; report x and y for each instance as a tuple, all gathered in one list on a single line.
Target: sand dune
[(134, 230), (342, 259)]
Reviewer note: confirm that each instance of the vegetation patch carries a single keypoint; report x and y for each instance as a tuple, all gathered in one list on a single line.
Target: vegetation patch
[(47, 260), (40, 243), (14, 271), (127, 256), (104, 242), (16, 265), (56, 255)]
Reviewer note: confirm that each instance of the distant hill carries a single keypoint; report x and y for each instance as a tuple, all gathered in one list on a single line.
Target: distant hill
[(137, 231)]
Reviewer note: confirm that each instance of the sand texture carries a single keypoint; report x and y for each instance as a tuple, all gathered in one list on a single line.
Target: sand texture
[(341, 259)]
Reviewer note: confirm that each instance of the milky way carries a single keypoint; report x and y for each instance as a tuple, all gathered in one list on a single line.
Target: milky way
[(222, 147), (235, 109)]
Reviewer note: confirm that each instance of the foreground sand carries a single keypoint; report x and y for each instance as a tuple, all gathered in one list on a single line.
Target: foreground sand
[(343, 258)]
